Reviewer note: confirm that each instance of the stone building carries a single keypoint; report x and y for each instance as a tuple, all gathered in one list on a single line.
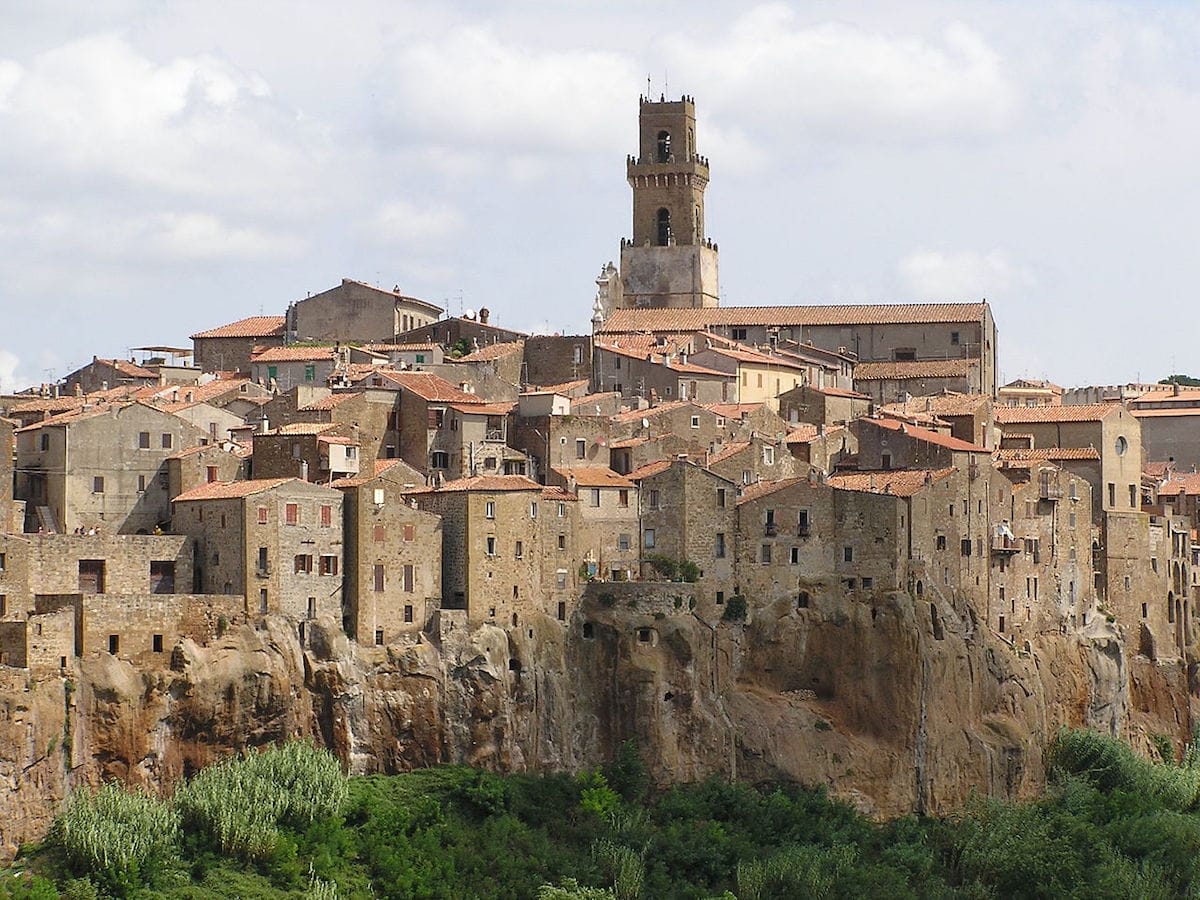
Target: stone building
[(822, 448), (811, 405), (556, 526), (756, 459), (969, 416), (102, 374), (1029, 392), (358, 312), (503, 360), (8, 445), (607, 544), (393, 554), (229, 347), (689, 514), (552, 359), (287, 367), (469, 331), (1170, 422), (275, 541), (893, 382), (103, 467), (491, 563), (649, 374), (669, 262), (368, 415), (204, 464), (312, 452)]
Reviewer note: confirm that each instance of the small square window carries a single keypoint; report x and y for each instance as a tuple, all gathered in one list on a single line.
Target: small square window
[(167, 441), (143, 440), (262, 515), (98, 484), (649, 538), (695, 421)]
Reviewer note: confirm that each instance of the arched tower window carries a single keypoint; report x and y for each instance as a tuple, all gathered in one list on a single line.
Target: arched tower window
[(664, 147), (664, 227)]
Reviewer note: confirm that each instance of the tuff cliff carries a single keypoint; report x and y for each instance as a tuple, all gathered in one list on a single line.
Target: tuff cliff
[(890, 705)]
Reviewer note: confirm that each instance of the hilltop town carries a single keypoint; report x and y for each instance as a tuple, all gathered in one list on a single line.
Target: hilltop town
[(816, 542)]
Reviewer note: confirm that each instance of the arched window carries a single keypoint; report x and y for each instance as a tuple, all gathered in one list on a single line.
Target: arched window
[(664, 227), (664, 147)]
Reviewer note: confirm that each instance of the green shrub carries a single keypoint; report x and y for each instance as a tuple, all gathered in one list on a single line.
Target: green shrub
[(118, 838), (240, 803), (735, 609)]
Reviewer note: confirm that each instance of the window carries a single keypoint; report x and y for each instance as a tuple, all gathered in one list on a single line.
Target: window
[(407, 575), (491, 546), (141, 484), (211, 474), (1122, 445), (720, 498), (312, 607), (663, 147), (489, 509), (965, 546), (795, 556), (562, 542), (296, 451), (303, 564), (326, 516), (562, 611), (291, 514), (310, 372), (263, 567), (562, 509), (378, 637), (435, 418), (904, 354), (167, 441), (519, 550), (1071, 519), (439, 459), (847, 554), (623, 542), (408, 613), (329, 565), (868, 583), (649, 538), (719, 549), (156, 644), (272, 372), (560, 579), (652, 498), (623, 498), (3, 560), (695, 421), (1133, 496), (408, 533), (380, 534), (768, 456), (98, 484), (738, 334), (143, 440), (262, 515), (114, 644), (663, 223), (377, 496), (1112, 494), (378, 576), (954, 337), (162, 577), (533, 510), (595, 496), (46, 440), (765, 554), (720, 598), (262, 601), (580, 448)]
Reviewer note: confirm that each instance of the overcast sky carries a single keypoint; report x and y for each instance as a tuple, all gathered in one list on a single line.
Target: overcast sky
[(169, 167)]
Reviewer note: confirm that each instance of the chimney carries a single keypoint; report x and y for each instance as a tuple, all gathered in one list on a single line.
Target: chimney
[(484, 315), (303, 470), (1175, 389), (572, 484)]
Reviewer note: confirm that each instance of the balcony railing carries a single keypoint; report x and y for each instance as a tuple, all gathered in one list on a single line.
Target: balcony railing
[(1003, 543)]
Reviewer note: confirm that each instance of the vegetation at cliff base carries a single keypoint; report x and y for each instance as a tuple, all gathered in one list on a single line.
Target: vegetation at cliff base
[(286, 823)]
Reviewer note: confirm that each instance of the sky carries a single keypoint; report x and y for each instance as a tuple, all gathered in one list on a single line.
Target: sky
[(168, 167)]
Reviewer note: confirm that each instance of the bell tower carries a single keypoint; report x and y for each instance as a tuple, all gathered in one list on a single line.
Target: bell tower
[(669, 263)]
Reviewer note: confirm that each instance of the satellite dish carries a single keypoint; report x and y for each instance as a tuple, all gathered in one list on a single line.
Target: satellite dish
[(645, 423), (468, 314)]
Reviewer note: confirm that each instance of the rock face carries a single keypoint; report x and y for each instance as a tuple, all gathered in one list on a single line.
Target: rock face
[(893, 703)]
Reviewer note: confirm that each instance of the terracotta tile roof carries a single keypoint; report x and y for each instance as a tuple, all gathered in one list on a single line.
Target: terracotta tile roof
[(492, 483), (729, 450), (948, 404), (625, 443), (304, 428), (1187, 484), (337, 439), (71, 416), (897, 482), (657, 355), (857, 314), (733, 410), (493, 351), (1091, 412), (652, 468), (327, 403), (401, 348), (591, 398), (594, 476), (292, 354), (564, 387), (126, 368), (1035, 384), (927, 436), (1047, 454), (806, 434), (429, 387), (236, 450), (202, 393), (557, 493), (753, 357), (230, 490), (253, 326), (1160, 412), (914, 368), (484, 409), (837, 392), (762, 488), (634, 415), (1156, 468), (926, 420)]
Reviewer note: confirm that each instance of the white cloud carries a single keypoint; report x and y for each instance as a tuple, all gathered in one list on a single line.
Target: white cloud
[(841, 81), (937, 276), (466, 86), (401, 222), (9, 381)]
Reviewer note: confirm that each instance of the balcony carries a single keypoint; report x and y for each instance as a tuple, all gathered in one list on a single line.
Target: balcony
[(1004, 543), (494, 434), (771, 529), (1049, 490), (803, 530)]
